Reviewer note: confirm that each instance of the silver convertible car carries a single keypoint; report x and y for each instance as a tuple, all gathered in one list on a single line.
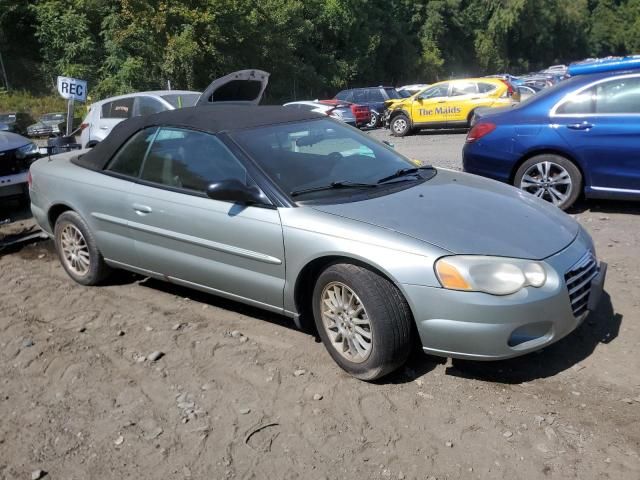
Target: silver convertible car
[(302, 215)]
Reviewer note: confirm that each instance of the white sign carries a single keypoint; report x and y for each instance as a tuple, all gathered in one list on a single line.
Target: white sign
[(72, 88)]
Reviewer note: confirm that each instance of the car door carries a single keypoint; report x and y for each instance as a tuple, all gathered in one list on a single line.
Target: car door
[(463, 98), (110, 114), (107, 199), (181, 234), (375, 99), (430, 106), (601, 126)]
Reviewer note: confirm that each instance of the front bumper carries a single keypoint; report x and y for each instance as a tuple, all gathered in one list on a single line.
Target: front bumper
[(478, 326)]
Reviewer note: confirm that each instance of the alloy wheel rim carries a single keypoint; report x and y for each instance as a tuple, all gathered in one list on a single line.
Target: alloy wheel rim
[(373, 121), (346, 322), (549, 181), (75, 251), (399, 125)]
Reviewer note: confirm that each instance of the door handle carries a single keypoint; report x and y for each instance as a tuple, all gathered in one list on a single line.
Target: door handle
[(104, 127), (580, 126), (442, 101), (141, 209)]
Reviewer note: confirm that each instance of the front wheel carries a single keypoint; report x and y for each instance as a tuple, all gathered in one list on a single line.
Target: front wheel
[(363, 320), (550, 177), (400, 125)]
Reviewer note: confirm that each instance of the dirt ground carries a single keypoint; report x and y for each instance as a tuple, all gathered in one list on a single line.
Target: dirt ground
[(239, 393)]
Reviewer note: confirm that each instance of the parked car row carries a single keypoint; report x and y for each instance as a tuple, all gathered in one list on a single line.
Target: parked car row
[(22, 123)]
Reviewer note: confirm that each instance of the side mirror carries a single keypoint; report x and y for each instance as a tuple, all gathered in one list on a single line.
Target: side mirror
[(235, 191)]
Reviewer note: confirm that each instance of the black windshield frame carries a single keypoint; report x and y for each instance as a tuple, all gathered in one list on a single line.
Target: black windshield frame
[(253, 143)]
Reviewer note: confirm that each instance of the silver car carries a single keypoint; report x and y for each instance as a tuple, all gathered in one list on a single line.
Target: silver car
[(302, 215), (338, 111)]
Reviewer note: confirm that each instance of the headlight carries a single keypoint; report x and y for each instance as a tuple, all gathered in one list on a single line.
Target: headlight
[(27, 150), (494, 275)]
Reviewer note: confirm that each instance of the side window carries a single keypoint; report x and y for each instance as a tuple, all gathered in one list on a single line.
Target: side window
[(122, 108), (359, 96), (486, 87), (190, 160), (149, 106), (618, 96), (436, 91), (375, 95), (463, 88), (580, 104), (345, 96), (128, 160)]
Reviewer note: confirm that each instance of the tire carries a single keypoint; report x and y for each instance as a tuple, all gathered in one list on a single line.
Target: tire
[(375, 119), (400, 125), (551, 177), (86, 266), (384, 315)]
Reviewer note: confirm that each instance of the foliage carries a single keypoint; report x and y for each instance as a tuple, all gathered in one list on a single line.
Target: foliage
[(312, 48), (36, 105)]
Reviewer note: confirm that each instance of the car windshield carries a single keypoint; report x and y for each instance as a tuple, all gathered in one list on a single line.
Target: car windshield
[(182, 100), (323, 153), (51, 117), (7, 117)]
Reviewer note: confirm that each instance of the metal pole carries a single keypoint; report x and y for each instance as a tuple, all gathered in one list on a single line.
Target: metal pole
[(69, 116), (4, 73)]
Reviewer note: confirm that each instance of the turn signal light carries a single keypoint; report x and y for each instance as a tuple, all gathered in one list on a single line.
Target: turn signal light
[(450, 277), (479, 130)]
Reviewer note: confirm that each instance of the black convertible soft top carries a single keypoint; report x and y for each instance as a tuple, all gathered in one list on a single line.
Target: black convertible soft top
[(210, 118)]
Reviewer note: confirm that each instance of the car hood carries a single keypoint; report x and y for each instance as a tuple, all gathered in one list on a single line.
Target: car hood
[(466, 214), (11, 141)]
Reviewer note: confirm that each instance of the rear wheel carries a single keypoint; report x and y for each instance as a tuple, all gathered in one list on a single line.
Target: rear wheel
[(551, 177), (77, 250), (363, 320), (400, 125), (373, 121)]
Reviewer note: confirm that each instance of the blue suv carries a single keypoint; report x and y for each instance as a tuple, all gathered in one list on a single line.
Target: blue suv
[(372, 97), (579, 136)]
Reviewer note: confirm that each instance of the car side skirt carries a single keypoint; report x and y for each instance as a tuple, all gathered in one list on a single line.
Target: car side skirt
[(197, 286)]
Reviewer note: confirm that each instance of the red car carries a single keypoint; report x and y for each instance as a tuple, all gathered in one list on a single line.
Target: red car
[(362, 113)]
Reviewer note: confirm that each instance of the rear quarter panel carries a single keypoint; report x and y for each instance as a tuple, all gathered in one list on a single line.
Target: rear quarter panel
[(56, 182)]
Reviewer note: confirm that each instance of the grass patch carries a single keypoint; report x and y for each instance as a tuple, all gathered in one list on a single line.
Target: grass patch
[(17, 101)]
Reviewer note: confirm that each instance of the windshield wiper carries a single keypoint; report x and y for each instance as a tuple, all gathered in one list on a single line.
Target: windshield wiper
[(332, 186), (403, 172)]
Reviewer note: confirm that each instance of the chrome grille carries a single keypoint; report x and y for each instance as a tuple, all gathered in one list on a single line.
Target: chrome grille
[(578, 281)]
